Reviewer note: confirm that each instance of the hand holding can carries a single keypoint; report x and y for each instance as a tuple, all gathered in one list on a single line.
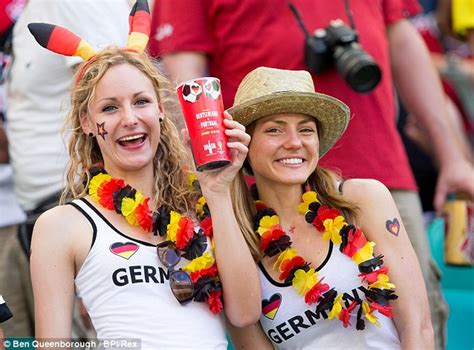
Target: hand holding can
[(203, 109)]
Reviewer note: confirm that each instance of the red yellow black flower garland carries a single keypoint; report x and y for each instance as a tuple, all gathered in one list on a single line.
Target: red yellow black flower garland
[(115, 194), (352, 242)]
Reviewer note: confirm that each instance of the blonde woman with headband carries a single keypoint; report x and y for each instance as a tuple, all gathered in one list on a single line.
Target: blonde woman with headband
[(147, 261), (318, 240)]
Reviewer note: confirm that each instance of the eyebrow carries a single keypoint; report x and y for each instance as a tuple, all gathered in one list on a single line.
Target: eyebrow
[(303, 121), (115, 99)]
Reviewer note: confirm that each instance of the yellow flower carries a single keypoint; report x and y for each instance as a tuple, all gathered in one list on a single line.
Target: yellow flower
[(173, 226), (333, 226), (129, 205), (304, 281), (368, 315), (288, 253), (336, 308), (200, 205), (267, 222), (382, 282), (95, 183), (365, 253), (308, 198), (191, 178), (202, 262)]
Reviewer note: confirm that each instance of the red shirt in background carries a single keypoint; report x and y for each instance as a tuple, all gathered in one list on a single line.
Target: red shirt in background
[(241, 35)]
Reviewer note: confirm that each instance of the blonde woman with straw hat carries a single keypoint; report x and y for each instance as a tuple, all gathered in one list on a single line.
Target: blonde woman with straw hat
[(337, 269)]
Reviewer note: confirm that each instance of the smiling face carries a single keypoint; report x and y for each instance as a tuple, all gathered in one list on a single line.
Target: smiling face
[(284, 149), (124, 116)]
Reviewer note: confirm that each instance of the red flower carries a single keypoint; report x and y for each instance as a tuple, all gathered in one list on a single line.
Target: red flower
[(324, 213), (345, 314), (106, 191), (315, 293), (211, 271), (185, 232), (355, 241), (371, 277), (206, 226), (289, 265), (384, 310), (214, 301), (271, 235), (143, 215)]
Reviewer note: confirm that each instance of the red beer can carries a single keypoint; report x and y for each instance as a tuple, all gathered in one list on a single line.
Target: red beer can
[(203, 109)]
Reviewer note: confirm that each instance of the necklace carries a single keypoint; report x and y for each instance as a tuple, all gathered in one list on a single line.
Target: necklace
[(352, 242), (115, 194)]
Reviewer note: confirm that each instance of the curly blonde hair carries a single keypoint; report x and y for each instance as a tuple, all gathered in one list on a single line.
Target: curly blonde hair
[(171, 186)]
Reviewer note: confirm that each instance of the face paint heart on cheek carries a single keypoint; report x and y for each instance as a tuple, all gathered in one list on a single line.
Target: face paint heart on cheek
[(101, 130)]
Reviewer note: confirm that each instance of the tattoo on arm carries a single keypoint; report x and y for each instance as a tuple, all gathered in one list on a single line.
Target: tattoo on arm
[(393, 226)]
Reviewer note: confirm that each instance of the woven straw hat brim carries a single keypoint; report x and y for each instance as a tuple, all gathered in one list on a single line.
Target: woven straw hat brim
[(332, 114)]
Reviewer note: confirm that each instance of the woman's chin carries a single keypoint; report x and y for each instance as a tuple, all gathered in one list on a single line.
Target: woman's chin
[(133, 164)]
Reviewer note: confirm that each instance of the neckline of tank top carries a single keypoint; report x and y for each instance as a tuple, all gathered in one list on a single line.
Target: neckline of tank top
[(282, 284), (101, 216)]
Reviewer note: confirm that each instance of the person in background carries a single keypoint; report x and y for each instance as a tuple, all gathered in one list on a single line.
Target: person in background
[(452, 60), (228, 40), (14, 270)]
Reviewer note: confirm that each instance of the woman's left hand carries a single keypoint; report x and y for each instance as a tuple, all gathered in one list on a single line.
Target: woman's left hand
[(218, 181)]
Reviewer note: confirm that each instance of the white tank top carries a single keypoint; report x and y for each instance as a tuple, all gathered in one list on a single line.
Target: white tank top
[(292, 324), (125, 289)]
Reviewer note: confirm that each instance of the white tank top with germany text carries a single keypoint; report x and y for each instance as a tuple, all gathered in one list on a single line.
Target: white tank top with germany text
[(292, 324), (125, 289)]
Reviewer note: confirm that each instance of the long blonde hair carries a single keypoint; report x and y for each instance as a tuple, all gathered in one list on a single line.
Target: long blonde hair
[(171, 183)]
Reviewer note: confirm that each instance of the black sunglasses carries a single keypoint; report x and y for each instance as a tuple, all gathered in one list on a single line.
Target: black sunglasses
[(180, 282)]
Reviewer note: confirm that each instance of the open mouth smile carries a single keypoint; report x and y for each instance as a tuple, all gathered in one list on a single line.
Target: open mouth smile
[(132, 141)]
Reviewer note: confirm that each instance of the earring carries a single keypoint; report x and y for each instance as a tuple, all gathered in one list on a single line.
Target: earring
[(90, 134)]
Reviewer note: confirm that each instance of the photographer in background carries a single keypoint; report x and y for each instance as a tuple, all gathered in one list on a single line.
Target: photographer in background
[(228, 40)]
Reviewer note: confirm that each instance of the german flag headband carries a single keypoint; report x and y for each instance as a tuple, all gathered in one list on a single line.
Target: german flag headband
[(61, 40)]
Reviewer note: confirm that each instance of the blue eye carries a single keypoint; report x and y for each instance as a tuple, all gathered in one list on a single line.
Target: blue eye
[(109, 108), (142, 101)]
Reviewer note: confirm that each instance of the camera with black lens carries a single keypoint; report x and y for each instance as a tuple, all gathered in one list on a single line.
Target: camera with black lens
[(337, 45)]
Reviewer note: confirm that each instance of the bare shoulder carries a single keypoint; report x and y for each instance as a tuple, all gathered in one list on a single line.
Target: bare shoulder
[(365, 191), (62, 224)]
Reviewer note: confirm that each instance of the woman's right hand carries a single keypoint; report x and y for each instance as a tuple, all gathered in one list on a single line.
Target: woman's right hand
[(216, 183)]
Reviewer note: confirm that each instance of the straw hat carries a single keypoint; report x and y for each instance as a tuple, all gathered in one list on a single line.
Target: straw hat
[(267, 91)]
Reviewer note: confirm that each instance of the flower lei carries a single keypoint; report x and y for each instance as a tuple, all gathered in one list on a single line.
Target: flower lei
[(352, 242), (115, 194)]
